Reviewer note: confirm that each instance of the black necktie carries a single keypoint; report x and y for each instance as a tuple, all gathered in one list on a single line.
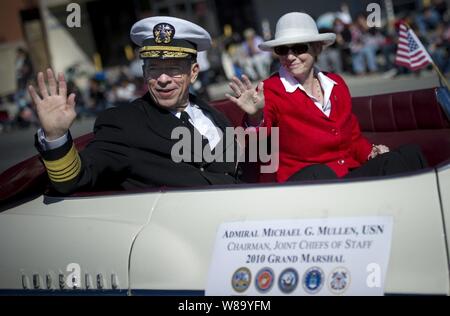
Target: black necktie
[(185, 119)]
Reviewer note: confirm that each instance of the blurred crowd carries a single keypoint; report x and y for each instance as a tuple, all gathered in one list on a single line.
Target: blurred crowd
[(95, 91), (359, 50)]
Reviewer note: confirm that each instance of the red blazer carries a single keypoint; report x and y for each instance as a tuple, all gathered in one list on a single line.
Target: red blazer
[(307, 136)]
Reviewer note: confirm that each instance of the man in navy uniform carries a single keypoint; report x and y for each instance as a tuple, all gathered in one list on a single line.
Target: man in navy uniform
[(133, 144)]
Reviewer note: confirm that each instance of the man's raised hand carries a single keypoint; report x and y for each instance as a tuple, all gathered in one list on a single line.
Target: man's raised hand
[(56, 111)]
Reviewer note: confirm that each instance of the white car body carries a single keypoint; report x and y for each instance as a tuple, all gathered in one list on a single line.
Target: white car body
[(162, 242)]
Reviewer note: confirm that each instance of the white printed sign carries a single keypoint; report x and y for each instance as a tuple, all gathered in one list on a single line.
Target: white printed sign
[(340, 256)]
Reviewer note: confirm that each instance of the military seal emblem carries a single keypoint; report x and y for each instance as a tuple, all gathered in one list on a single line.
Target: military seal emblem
[(339, 280), (313, 280), (241, 279), (163, 33), (288, 281), (264, 280)]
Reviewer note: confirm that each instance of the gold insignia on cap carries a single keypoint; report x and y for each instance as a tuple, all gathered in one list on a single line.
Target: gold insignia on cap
[(166, 52), (163, 33), (163, 54)]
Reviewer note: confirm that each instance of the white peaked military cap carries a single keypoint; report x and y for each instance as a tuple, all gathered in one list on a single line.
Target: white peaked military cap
[(168, 37)]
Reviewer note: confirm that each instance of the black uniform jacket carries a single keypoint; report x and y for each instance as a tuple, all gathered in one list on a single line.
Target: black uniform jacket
[(132, 149)]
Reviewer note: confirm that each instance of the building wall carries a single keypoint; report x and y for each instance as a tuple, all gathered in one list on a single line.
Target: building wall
[(67, 46), (11, 36), (63, 47), (10, 21), (49, 41)]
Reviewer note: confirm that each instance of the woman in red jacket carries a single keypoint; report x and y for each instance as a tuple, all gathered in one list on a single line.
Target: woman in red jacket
[(320, 137)]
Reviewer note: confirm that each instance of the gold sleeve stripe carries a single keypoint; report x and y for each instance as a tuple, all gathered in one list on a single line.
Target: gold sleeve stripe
[(70, 175), (69, 169), (168, 49), (64, 169), (62, 163), (67, 177)]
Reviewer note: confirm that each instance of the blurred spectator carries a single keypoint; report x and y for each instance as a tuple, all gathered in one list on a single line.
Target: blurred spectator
[(26, 118), (427, 20), (135, 68), (326, 20), (231, 57), (6, 121), (200, 86), (388, 50), (24, 73), (96, 101), (440, 47), (24, 69), (343, 40), (125, 92), (330, 59), (364, 46), (275, 65), (215, 61), (256, 63), (344, 14), (441, 8), (80, 104)]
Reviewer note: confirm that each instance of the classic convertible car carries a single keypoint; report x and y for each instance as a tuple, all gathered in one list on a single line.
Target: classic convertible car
[(161, 241)]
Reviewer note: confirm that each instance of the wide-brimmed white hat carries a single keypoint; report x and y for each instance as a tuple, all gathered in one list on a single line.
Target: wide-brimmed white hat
[(295, 28)]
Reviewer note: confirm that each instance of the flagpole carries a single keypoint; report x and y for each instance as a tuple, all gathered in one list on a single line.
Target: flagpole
[(433, 63), (440, 74)]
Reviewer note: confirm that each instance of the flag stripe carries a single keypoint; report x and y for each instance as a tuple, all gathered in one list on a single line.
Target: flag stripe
[(416, 53), (422, 63), (418, 58)]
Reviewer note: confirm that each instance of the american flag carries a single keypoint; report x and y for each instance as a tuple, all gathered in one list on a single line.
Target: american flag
[(410, 51)]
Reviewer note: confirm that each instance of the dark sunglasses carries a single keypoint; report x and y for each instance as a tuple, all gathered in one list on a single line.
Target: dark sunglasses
[(297, 49)]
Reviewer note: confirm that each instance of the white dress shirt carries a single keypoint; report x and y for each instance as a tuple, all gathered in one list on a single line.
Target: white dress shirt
[(203, 123), (50, 144), (291, 84)]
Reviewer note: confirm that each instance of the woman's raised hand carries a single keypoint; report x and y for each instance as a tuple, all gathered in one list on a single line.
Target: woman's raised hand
[(247, 97)]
